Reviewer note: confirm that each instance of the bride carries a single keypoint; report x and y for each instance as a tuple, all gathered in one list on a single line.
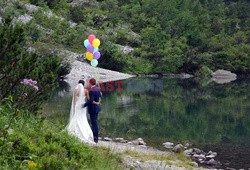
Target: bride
[(78, 123)]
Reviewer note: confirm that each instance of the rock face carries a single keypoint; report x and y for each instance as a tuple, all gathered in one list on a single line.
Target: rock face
[(23, 19), (125, 49), (82, 3), (30, 8)]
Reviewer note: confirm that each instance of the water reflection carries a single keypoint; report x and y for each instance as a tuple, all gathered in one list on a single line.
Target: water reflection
[(202, 112)]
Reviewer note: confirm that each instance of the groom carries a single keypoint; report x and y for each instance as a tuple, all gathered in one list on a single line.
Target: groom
[(94, 95)]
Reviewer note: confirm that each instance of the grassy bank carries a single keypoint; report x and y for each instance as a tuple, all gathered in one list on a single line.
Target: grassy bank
[(35, 143)]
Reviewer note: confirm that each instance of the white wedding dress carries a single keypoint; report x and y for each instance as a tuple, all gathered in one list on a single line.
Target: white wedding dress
[(78, 123)]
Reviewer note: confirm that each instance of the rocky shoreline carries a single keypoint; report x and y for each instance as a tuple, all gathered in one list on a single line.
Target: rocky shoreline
[(220, 76), (137, 155), (198, 158)]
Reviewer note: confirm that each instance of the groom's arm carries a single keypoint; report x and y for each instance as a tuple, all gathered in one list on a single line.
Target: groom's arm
[(91, 97)]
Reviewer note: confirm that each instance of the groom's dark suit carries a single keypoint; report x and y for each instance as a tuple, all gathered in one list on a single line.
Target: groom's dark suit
[(94, 95)]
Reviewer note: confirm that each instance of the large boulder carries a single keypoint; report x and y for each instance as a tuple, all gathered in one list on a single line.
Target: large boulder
[(223, 76)]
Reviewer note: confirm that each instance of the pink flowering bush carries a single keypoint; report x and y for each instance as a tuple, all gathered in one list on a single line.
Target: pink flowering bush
[(31, 83), (20, 70)]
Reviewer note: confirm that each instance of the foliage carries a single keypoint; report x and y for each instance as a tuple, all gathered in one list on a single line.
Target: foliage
[(17, 64), (64, 69), (170, 36), (33, 142), (207, 27)]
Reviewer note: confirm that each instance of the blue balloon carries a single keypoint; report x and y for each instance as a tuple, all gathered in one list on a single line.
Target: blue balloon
[(86, 43), (94, 62), (95, 50)]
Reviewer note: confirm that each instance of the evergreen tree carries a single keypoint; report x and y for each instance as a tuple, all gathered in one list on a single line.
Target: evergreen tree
[(17, 64)]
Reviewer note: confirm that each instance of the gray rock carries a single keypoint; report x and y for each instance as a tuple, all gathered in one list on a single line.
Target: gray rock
[(212, 153), (187, 145), (124, 141), (188, 152), (142, 146), (125, 49), (22, 18), (230, 168), (118, 139), (223, 74), (72, 24), (178, 148), (99, 138), (30, 8), (141, 142), (212, 162), (210, 156), (138, 141), (194, 164), (168, 145), (197, 151), (199, 156), (201, 161), (107, 139)]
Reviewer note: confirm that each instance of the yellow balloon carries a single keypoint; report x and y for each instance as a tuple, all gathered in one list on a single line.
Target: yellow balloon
[(96, 42), (89, 56)]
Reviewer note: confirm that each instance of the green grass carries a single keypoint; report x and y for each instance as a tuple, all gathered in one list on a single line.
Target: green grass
[(35, 143), (179, 160)]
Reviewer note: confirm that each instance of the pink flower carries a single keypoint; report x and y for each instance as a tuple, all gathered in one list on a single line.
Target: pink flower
[(31, 83), (36, 88)]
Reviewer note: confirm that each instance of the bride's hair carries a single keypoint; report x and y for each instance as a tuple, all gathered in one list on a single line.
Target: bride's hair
[(81, 81)]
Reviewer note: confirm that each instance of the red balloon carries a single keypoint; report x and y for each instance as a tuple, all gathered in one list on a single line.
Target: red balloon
[(91, 38)]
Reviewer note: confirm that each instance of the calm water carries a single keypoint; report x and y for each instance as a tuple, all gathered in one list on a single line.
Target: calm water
[(210, 116)]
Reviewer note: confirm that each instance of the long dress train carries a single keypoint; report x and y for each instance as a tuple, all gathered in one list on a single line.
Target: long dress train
[(78, 125)]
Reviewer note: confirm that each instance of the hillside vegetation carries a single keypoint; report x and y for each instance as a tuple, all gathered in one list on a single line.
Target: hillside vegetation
[(170, 36)]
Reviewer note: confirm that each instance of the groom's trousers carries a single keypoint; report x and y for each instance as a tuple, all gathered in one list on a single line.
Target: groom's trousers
[(94, 123)]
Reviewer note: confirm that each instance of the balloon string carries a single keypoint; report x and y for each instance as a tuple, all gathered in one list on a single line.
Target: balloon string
[(96, 75)]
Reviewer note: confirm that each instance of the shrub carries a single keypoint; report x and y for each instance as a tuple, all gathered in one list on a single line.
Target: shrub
[(33, 142), (17, 64)]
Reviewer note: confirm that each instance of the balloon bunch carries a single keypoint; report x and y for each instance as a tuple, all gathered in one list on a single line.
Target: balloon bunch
[(92, 53)]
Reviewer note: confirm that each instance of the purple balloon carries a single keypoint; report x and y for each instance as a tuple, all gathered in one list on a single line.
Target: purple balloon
[(90, 48), (97, 55)]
